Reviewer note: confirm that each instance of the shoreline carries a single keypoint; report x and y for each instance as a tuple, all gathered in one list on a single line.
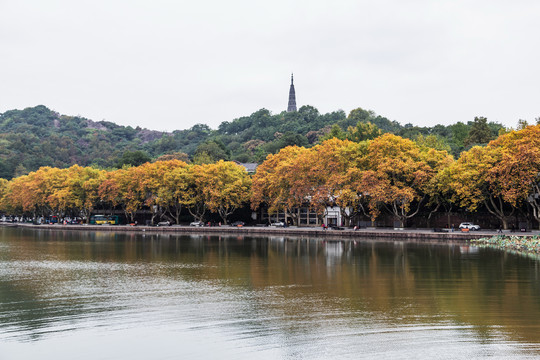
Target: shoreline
[(529, 244), (346, 234)]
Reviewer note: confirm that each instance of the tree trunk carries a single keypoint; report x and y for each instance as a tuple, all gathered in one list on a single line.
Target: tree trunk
[(348, 216), (154, 214), (198, 211), (398, 209), (448, 210), (496, 208), (177, 210), (431, 213), (321, 216), (534, 201), (224, 212), (86, 213)]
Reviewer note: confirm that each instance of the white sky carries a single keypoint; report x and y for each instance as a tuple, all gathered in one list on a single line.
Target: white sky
[(167, 65)]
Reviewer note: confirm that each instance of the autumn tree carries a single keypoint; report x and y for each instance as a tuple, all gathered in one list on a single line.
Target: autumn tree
[(438, 190), (59, 199), (516, 173), (277, 181), (18, 196), (442, 194), (220, 187), (173, 193), (4, 187), (328, 176), (224, 186), (319, 177), (49, 187), (502, 175), (110, 192), (42, 192), (399, 175), (121, 188), (191, 195), (81, 190), (149, 181), (474, 185)]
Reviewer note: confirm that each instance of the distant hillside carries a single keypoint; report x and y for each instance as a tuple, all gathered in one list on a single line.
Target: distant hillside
[(37, 136)]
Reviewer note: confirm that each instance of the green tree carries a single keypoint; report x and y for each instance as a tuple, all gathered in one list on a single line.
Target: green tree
[(284, 140), (522, 124), (335, 132), (309, 113), (210, 152), (133, 158), (480, 132), (363, 131), (362, 115), (432, 142)]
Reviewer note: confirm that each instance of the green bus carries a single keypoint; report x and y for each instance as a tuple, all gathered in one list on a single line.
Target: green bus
[(105, 220)]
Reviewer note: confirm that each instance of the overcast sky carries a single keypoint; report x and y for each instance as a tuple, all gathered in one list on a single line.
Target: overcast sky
[(170, 64)]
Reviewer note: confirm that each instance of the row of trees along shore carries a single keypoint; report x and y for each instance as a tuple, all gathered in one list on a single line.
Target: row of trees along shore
[(387, 173)]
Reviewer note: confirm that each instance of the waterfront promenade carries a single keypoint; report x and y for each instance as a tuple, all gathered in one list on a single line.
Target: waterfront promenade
[(350, 234)]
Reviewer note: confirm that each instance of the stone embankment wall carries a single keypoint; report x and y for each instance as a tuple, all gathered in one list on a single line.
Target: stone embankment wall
[(406, 234)]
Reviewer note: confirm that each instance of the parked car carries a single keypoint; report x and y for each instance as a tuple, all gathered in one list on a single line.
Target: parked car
[(196, 223), (164, 223), (238, 223), (470, 226), (335, 227), (278, 224)]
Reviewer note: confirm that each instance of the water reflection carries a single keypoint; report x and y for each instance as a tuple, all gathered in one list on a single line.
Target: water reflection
[(277, 296)]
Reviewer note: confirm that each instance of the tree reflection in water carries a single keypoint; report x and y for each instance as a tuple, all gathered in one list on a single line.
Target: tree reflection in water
[(297, 294)]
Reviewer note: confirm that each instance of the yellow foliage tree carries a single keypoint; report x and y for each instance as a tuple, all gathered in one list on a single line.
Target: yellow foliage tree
[(176, 190), (277, 182), (330, 173), (149, 181), (474, 185), (40, 192), (121, 188), (82, 187), (502, 175), (400, 175), (224, 187)]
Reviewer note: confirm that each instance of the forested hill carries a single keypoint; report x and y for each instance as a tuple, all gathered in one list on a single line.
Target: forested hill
[(37, 136)]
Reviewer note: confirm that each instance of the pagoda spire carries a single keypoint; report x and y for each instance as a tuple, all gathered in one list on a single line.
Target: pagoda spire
[(292, 97)]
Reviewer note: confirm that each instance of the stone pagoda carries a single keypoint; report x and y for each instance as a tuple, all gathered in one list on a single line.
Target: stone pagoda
[(292, 97)]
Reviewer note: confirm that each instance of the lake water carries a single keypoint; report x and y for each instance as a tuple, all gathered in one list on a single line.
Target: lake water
[(102, 295)]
